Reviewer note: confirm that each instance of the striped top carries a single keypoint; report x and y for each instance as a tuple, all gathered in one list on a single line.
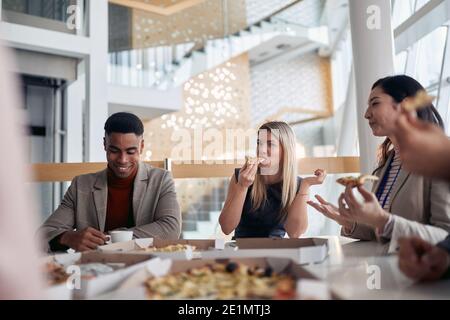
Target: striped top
[(387, 184)]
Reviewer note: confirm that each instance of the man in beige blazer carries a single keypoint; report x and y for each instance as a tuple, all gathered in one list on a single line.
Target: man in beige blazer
[(129, 195)]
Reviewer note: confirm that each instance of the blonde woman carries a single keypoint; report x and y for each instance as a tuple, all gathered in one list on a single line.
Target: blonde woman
[(266, 198)]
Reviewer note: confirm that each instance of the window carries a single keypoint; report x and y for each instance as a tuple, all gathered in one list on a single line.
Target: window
[(46, 14), (430, 57), (401, 11), (400, 62)]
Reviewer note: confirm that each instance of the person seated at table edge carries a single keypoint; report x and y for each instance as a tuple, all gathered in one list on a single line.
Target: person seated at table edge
[(127, 195), (265, 197), (424, 149), (401, 203)]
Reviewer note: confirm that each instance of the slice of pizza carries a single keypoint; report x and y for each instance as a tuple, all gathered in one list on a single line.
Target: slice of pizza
[(253, 160), (419, 101), (356, 181)]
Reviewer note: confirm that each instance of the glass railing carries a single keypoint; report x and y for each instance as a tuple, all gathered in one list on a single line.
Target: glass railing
[(145, 67), (141, 57)]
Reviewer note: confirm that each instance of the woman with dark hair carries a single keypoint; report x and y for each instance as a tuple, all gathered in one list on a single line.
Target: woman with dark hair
[(403, 204), (398, 88)]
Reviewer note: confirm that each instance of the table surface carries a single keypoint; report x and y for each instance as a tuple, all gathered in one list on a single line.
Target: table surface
[(350, 270), (352, 267)]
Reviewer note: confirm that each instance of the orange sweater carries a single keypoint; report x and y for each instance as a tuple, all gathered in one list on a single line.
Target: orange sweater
[(119, 210)]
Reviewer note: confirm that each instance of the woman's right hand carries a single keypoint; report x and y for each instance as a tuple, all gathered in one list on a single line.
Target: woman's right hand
[(247, 174), (331, 211)]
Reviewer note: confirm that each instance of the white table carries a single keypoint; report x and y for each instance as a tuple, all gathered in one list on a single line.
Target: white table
[(352, 264), (347, 272)]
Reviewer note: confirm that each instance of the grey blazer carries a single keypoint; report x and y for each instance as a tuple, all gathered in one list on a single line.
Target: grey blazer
[(155, 208), (420, 207)]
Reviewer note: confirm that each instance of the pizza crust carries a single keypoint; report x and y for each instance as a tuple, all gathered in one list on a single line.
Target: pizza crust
[(356, 181), (419, 101), (253, 160)]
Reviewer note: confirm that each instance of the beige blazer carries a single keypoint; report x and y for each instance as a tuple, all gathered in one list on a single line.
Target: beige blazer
[(155, 208), (420, 207)]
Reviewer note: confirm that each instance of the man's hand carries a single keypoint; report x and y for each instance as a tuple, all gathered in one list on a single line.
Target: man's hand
[(84, 240), (420, 260), (424, 147)]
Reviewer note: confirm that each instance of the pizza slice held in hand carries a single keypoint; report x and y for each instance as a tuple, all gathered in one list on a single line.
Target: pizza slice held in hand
[(356, 181), (419, 101), (253, 160)]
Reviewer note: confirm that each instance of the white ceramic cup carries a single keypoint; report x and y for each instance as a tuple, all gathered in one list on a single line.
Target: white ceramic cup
[(120, 236)]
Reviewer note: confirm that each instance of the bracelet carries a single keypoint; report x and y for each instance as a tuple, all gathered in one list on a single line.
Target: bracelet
[(303, 194)]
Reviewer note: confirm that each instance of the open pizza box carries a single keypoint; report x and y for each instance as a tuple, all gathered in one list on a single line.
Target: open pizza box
[(192, 248), (79, 285), (57, 290), (301, 251), (306, 286)]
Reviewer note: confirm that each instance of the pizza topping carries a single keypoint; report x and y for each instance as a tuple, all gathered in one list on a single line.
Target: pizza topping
[(222, 281), (55, 273)]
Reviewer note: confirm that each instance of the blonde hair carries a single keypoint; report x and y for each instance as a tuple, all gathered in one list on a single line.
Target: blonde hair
[(285, 135)]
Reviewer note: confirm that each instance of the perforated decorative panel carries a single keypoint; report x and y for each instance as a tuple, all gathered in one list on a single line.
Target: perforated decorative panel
[(218, 98), (208, 20), (303, 84)]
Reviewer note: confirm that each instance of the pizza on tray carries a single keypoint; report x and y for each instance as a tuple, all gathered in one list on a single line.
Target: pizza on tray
[(253, 160), (222, 281)]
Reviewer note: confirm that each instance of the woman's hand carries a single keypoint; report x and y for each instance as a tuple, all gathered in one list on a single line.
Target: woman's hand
[(330, 211), (368, 212), (247, 174), (318, 178)]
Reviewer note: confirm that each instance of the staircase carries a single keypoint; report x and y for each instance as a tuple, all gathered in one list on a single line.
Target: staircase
[(167, 67), (218, 51)]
